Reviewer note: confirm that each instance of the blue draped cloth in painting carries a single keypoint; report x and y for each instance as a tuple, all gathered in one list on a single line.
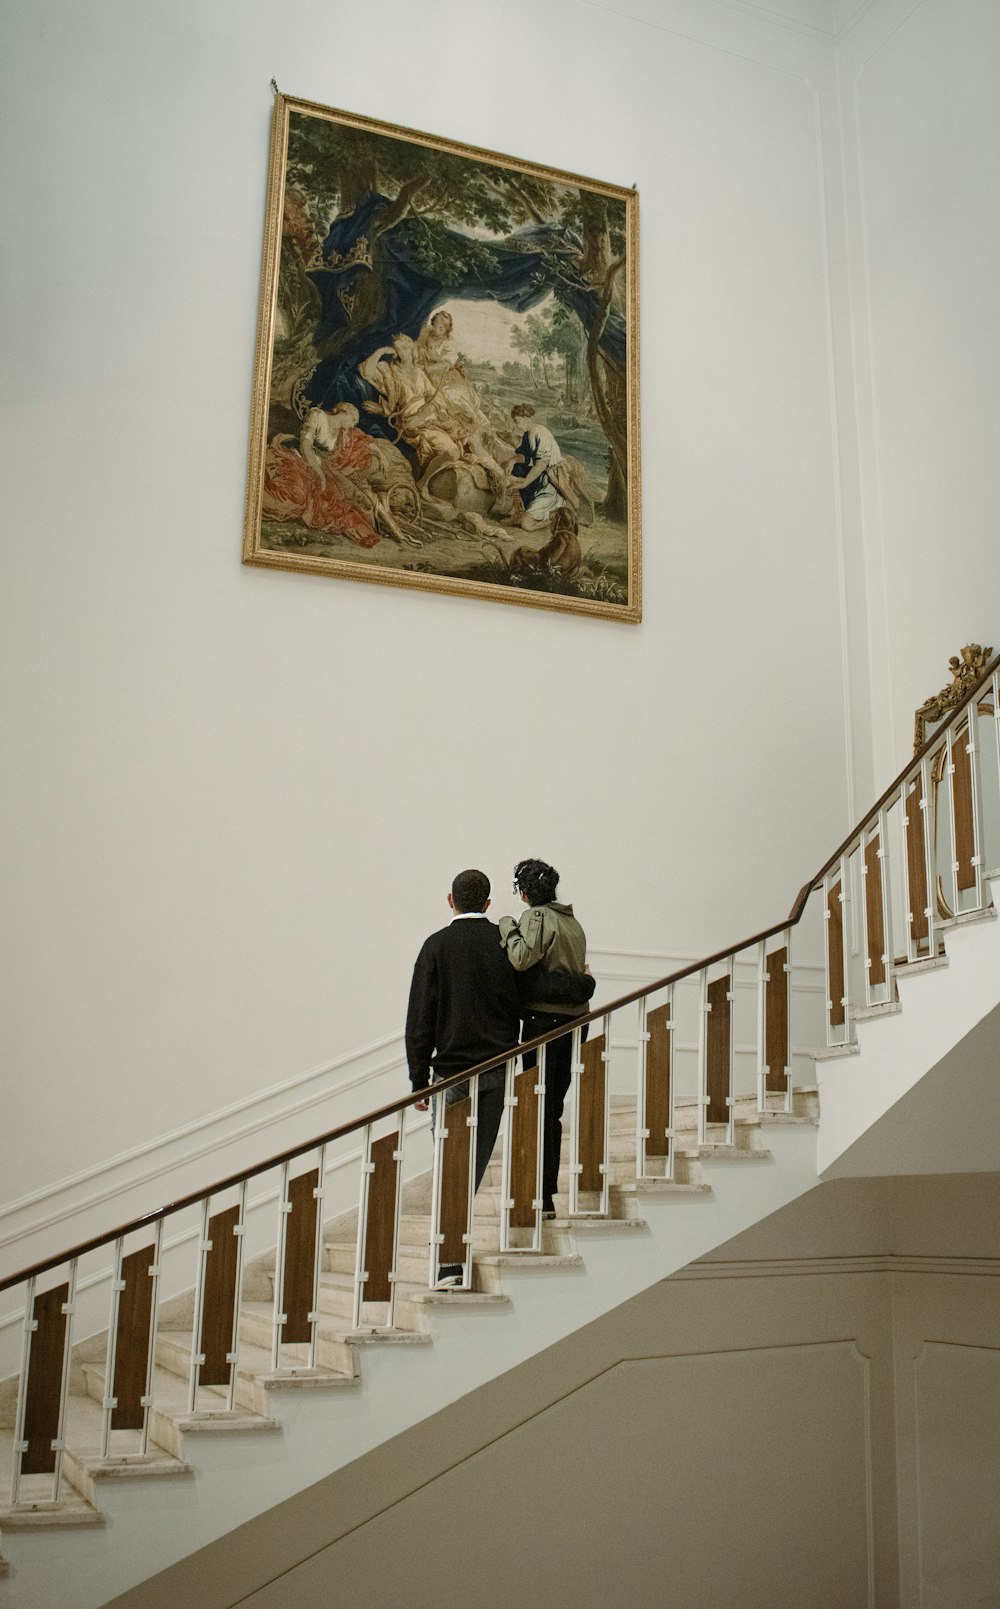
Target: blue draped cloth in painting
[(408, 292)]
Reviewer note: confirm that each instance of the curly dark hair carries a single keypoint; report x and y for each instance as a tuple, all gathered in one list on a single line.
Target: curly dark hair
[(537, 879)]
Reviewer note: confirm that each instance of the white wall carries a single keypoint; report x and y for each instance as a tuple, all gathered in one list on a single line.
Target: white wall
[(234, 798), (921, 125)]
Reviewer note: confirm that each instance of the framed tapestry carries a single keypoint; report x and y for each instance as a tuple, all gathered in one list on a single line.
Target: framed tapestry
[(446, 392)]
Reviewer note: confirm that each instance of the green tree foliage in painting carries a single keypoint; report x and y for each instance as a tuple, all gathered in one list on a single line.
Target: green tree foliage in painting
[(458, 203)]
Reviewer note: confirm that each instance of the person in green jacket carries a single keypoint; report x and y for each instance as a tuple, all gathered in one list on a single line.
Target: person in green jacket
[(548, 947)]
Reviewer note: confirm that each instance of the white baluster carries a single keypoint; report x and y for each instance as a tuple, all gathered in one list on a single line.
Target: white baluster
[(506, 1199), (20, 1445), (360, 1271), (702, 1106), (575, 1165), (280, 1317), (319, 1194), (110, 1401), (146, 1400), (197, 1356), (397, 1157), (641, 1125), (889, 948), (59, 1445)]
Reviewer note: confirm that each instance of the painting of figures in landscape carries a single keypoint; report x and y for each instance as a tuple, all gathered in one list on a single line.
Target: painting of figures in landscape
[(446, 389)]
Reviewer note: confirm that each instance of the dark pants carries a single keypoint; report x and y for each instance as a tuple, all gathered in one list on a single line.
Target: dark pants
[(558, 1077)]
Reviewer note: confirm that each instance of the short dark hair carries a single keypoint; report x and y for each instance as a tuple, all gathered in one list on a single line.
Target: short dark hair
[(537, 879), (522, 410), (470, 891)]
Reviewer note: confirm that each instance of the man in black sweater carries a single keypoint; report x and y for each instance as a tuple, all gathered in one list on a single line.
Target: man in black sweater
[(464, 1009)]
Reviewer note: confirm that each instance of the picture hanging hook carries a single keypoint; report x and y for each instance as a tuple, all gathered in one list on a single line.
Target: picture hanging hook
[(274, 86)]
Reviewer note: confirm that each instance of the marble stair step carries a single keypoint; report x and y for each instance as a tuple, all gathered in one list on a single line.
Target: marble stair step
[(257, 1329), (83, 1466), (170, 1419), (255, 1376), (35, 1509)]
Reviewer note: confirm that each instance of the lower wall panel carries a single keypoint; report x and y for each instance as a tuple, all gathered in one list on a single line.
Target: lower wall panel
[(948, 1413), (663, 1480)]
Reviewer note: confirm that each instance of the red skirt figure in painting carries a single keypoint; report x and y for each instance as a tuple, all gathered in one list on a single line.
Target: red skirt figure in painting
[(309, 482)]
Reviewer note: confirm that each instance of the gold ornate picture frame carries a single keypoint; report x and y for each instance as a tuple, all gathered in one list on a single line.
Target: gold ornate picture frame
[(446, 391)]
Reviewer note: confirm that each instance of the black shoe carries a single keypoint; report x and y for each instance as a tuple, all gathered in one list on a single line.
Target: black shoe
[(449, 1277)]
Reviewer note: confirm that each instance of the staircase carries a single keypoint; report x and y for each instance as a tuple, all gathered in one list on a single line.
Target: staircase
[(289, 1412)]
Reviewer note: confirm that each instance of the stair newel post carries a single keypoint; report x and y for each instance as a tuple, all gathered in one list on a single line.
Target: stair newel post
[(575, 1165), (536, 1233), (318, 1194), (197, 1355), (280, 1317), (762, 979), (506, 1198), (397, 1214), (439, 1112), (20, 1445), (701, 1108), (109, 1401), (469, 1237), (606, 1159), (154, 1275), (641, 1124), (888, 944), (976, 789), (360, 1272), (930, 856)]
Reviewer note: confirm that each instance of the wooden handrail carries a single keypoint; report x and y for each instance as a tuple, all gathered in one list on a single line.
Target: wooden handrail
[(795, 915)]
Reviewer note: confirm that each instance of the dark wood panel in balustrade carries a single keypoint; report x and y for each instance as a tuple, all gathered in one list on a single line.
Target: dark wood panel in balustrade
[(135, 1312), (965, 837), (218, 1310), (835, 956), (524, 1150), (302, 1226), (593, 1078), (658, 1074), (719, 1057), (916, 864), (455, 1182), (381, 1221), (44, 1387), (777, 994), (874, 912)]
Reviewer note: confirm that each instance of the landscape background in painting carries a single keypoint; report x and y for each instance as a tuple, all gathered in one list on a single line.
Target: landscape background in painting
[(380, 234)]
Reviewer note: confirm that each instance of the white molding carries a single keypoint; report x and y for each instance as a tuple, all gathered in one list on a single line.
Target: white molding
[(874, 1263), (168, 1154)]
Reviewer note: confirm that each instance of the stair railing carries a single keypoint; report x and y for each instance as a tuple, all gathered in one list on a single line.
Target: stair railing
[(918, 859)]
